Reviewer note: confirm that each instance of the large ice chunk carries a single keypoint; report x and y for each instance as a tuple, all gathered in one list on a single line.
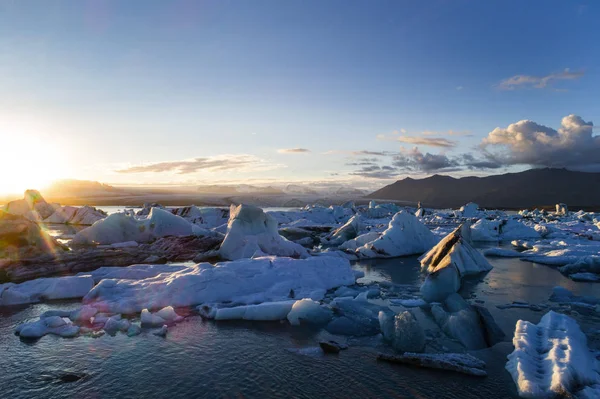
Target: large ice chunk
[(405, 235), (42, 289), (448, 262), (348, 231), (551, 358), (85, 215), (307, 311), (245, 281), (47, 325), (121, 227), (402, 331), (250, 230)]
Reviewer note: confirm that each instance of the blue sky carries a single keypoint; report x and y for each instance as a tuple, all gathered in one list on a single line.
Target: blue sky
[(150, 92)]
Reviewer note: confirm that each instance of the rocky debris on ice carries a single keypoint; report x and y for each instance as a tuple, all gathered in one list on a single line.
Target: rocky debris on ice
[(183, 248), (56, 325), (205, 217), (348, 231), (552, 358), (21, 238), (85, 215), (120, 227), (44, 289), (245, 281), (459, 362), (405, 235), (460, 321), (402, 331), (251, 230), (449, 262), (74, 261)]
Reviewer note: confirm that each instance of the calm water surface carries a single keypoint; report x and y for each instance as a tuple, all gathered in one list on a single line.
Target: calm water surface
[(261, 360)]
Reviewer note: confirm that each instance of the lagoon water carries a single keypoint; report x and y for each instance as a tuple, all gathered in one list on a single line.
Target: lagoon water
[(205, 359)]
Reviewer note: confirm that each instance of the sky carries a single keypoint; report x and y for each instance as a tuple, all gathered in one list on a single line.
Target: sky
[(355, 92)]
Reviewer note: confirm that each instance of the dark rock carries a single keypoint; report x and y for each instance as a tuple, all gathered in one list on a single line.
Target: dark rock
[(71, 377), (332, 346)]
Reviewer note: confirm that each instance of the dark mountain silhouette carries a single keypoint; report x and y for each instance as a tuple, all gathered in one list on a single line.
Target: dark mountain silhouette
[(528, 189)]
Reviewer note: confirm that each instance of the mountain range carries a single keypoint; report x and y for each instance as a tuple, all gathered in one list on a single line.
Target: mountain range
[(527, 189)]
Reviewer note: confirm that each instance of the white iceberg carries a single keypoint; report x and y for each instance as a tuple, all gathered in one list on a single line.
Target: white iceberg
[(552, 358), (307, 311), (47, 325), (245, 281), (267, 311), (43, 289), (469, 210), (121, 227), (85, 215), (405, 235), (502, 230), (250, 230)]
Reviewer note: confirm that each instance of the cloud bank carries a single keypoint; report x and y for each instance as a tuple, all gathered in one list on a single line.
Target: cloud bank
[(220, 163), (293, 150)]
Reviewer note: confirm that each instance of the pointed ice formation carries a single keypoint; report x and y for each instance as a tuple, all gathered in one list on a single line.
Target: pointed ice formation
[(552, 359), (448, 262), (406, 235), (348, 231), (251, 231)]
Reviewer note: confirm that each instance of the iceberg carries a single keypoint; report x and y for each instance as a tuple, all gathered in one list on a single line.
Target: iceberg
[(267, 311), (250, 230), (85, 215), (552, 358), (469, 210), (405, 235), (21, 238), (307, 311), (47, 325), (449, 262), (348, 231), (43, 289), (402, 331), (460, 321), (245, 281), (121, 227)]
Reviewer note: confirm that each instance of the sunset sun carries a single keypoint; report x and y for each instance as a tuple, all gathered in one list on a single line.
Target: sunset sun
[(28, 162)]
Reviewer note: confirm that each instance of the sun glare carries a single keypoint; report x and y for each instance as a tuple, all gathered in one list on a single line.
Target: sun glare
[(28, 162)]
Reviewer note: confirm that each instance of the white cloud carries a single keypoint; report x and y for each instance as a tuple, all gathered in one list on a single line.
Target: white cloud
[(537, 82), (526, 142)]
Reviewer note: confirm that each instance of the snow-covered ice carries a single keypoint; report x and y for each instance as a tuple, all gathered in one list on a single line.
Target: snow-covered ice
[(552, 358), (405, 235), (250, 230)]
